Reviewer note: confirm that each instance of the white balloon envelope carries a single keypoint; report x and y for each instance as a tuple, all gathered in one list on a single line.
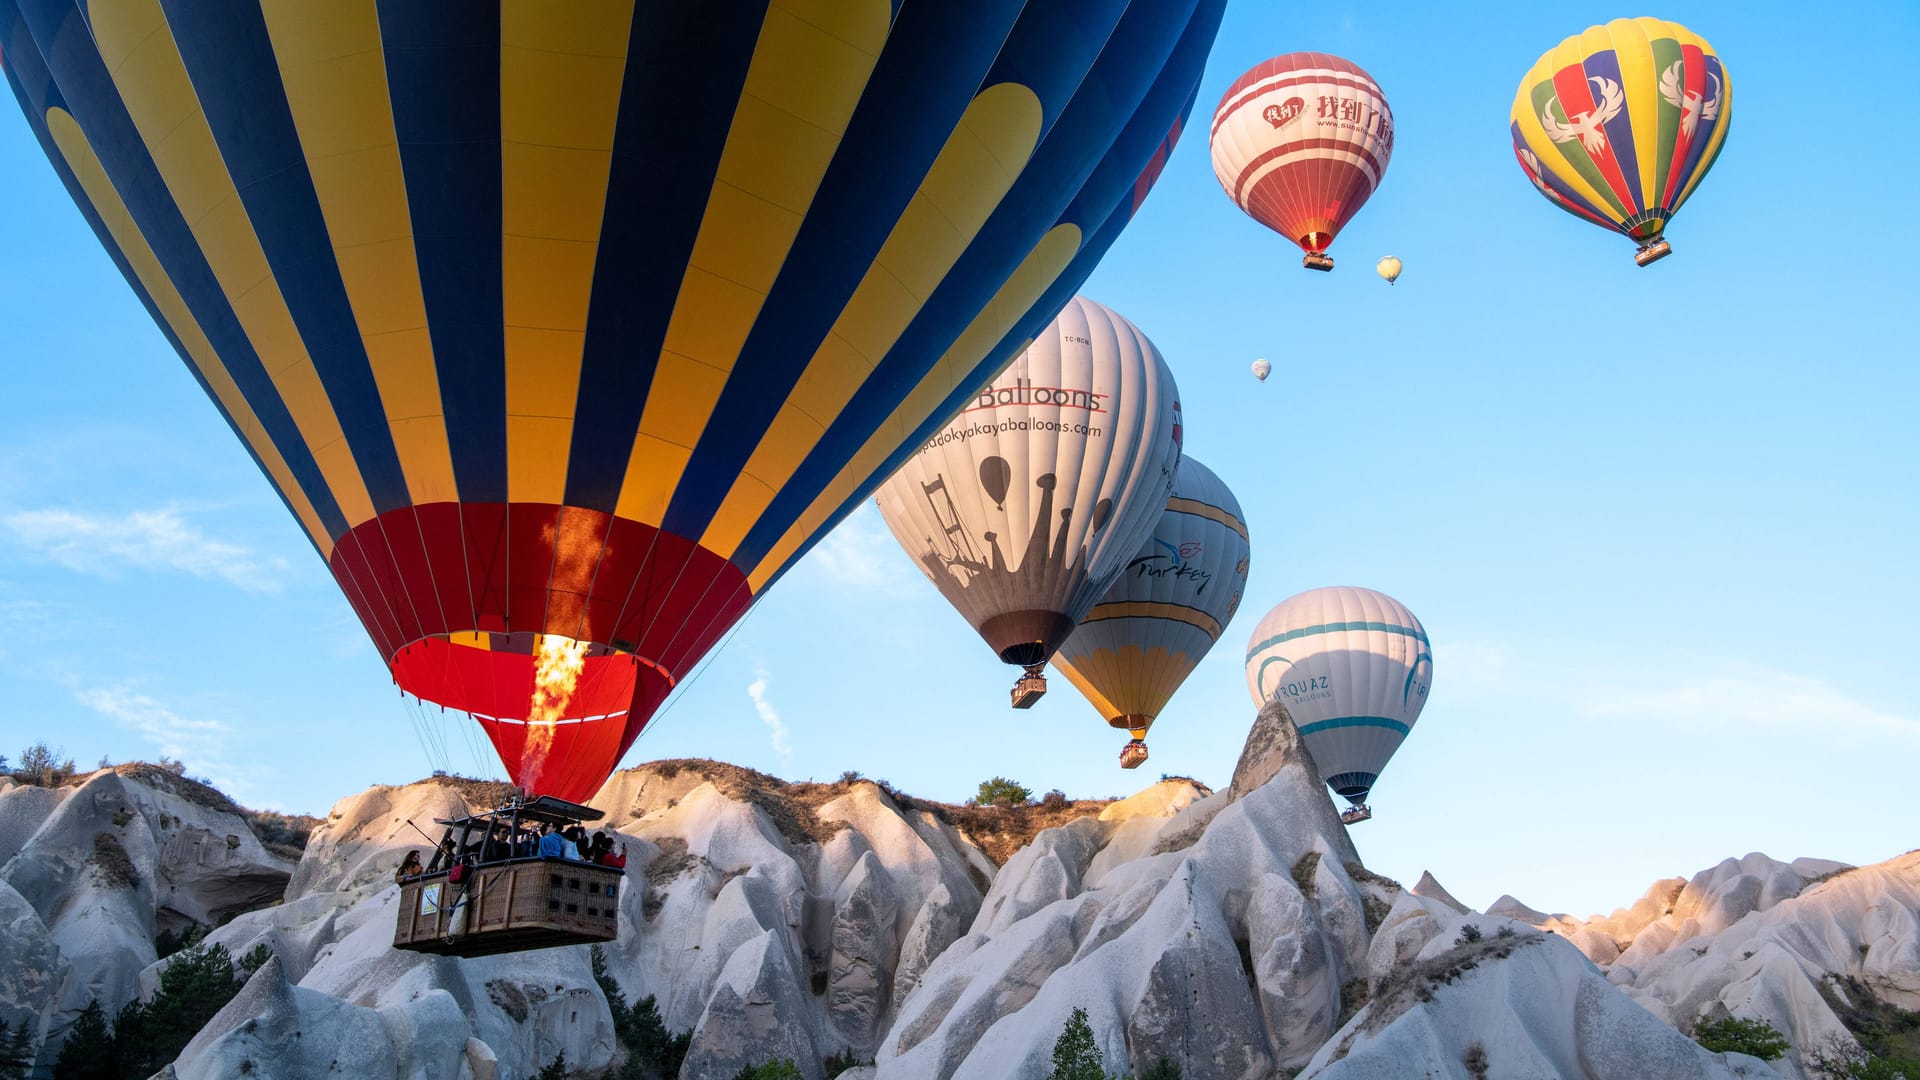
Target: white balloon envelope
[(1024, 508), (1353, 667), (1261, 369)]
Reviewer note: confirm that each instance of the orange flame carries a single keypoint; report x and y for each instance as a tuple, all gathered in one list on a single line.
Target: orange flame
[(558, 662)]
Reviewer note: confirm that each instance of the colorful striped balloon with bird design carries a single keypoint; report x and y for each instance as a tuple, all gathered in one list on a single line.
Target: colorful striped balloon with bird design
[(1618, 124)]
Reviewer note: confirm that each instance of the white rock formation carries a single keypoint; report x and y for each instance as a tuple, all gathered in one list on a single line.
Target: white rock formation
[(1529, 1005), (759, 906), (32, 971), (275, 1030), (1219, 937), (124, 853), (1773, 963), (1235, 934), (1433, 890)]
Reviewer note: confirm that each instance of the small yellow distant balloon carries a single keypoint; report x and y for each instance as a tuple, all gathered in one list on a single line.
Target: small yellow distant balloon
[(1388, 268)]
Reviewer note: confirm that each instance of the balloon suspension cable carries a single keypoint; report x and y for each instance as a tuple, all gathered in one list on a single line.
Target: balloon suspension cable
[(686, 685)]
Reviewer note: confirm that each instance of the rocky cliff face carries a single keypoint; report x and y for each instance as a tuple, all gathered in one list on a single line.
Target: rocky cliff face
[(1762, 939), (95, 872), (1235, 934)]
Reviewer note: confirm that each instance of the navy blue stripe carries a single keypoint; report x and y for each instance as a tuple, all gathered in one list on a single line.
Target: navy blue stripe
[(926, 76), (1102, 208), (95, 104), (686, 65), (1353, 785), (1056, 48), (18, 48), (443, 75), (1106, 98), (231, 61)]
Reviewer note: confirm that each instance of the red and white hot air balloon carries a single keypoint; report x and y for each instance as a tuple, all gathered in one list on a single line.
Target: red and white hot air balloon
[(1299, 143)]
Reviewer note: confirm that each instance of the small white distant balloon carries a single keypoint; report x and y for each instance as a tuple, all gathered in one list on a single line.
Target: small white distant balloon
[(1261, 369), (1388, 268)]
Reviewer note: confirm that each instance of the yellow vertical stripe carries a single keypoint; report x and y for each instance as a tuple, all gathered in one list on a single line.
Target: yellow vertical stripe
[(809, 68), (1641, 83), (1040, 269), (561, 67), (1100, 702), (112, 210), (986, 152), (335, 74), (133, 37)]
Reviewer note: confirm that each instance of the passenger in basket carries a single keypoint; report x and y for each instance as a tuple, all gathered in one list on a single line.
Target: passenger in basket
[(409, 867), (574, 836), (603, 852), (552, 844)]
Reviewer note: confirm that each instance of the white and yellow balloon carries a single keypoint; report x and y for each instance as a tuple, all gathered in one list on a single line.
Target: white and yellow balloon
[(1171, 603), (1353, 667)]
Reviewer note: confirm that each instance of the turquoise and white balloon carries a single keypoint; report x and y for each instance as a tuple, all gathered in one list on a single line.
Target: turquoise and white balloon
[(1353, 667)]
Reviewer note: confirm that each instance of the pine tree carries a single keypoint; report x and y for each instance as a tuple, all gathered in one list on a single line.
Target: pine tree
[(652, 1051), (88, 1052), (1075, 1057), (16, 1051)]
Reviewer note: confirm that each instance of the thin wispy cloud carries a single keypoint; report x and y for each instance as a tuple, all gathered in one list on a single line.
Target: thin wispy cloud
[(777, 735), (169, 732), (207, 747), (106, 546), (1678, 692), (861, 555), (1758, 697)]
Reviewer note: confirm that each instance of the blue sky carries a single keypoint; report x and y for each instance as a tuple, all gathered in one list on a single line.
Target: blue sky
[(1659, 523)]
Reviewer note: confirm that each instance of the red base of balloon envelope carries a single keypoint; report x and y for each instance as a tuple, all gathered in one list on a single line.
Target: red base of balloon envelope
[(455, 595), (568, 758)]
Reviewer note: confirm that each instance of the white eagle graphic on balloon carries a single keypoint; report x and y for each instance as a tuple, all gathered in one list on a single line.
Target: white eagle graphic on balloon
[(1693, 108), (1587, 126)]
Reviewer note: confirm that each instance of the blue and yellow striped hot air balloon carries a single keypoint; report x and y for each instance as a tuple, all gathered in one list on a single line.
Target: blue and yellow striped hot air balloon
[(565, 329), (1617, 125)]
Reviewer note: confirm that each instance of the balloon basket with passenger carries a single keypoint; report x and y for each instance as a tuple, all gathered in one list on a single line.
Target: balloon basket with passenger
[(487, 890), (1031, 687), (1652, 251), (1356, 813), (1132, 754)]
